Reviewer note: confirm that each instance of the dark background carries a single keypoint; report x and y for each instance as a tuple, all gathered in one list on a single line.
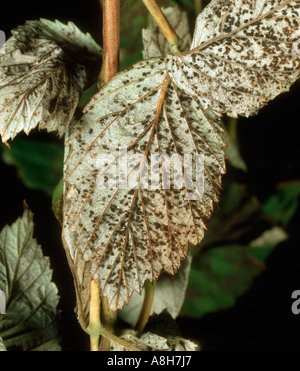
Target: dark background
[(262, 318)]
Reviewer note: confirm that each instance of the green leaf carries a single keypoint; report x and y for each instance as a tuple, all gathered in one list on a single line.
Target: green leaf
[(230, 222), (281, 206), (220, 273), (87, 95), (40, 164), (31, 298), (262, 246), (190, 4), (134, 18), (218, 276), (233, 154)]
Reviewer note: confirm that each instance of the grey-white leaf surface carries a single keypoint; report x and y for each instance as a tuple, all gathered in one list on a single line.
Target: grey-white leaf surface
[(153, 342), (126, 229), (154, 42), (44, 67), (31, 315), (132, 231), (243, 55)]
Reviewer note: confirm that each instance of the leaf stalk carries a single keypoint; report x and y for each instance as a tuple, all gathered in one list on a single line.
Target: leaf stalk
[(146, 308), (173, 39)]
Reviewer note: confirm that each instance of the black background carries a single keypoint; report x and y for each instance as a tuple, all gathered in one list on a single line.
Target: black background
[(262, 318)]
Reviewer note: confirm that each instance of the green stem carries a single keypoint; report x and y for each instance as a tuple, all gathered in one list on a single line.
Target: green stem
[(168, 31), (147, 305), (232, 129)]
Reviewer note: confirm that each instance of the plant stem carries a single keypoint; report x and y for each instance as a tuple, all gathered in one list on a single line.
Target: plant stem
[(108, 321), (111, 41), (168, 31), (110, 67), (118, 340), (232, 129), (95, 324), (95, 327), (198, 6), (147, 305)]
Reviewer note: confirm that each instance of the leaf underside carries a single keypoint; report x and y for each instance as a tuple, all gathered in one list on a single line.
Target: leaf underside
[(44, 68), (30, 321), (153, 342), (241, 57)]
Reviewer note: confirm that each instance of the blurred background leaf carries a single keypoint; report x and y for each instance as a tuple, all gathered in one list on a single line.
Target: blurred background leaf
[(169, 295), (240, 236), (39, 164), (135, 17), (218, 275), (281, 206), (2, 346)]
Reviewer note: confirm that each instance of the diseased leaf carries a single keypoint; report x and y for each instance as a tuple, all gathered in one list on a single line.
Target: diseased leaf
[(131, 235), (44, 68), (242, 55), (169, 291), (161, 333), (126, 230), (31, 298), (155, 44), (169, 294), (153, 342)]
